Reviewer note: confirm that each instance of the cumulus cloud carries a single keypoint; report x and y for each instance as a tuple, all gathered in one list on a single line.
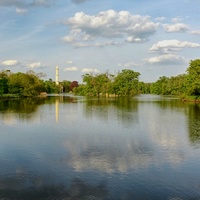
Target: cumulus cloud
[(109, 25), (21, 11), (197, 32), (167, 59), (10, 63), (35, 65), (177, 19), (167, 46), (178, 27), (69, 62), (89, 70), (131, 39), (71, 69), (96, 44), (160, 18), (131, 64)]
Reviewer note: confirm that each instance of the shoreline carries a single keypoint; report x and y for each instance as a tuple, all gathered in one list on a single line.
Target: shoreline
[(194, 99)]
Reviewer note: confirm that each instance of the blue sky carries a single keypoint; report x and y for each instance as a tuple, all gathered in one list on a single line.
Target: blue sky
[(156, 38)]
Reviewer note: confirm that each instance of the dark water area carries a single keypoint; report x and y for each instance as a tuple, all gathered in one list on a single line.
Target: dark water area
[(70, 148)]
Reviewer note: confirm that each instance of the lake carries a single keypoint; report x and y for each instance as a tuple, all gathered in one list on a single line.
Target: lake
[(70, 147)]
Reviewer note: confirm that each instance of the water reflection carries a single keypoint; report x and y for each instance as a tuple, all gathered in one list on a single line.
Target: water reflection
[(194, 123), (110, 158), (100, 148), (78, 189), (123, 109)]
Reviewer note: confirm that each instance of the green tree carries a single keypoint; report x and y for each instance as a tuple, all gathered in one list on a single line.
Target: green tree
[(50, 87), (24, 84), (4, 75), (96, 85), (126, 83), (66, 86), (193, 81)]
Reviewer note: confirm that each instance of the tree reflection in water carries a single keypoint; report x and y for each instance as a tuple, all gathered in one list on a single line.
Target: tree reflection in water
[(142, 149), (77, 190), (194, 123)]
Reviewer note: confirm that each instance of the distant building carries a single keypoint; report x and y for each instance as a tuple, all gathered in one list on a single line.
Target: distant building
[(57, 75)]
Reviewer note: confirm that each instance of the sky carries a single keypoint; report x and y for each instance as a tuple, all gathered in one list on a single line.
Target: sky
[(153, 37)]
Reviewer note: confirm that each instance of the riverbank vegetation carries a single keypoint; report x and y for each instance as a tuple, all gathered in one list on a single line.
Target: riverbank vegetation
[(125, 83)]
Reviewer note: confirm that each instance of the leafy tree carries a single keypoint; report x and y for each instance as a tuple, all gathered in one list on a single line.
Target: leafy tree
[(144, 88), (126, 83), (50, 87), (96, 85), (72, 85), (24, 84), (193, 81), (4, 75), (66, 85)]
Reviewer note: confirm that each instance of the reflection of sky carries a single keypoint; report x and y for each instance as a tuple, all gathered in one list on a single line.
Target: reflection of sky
[(144, 141)]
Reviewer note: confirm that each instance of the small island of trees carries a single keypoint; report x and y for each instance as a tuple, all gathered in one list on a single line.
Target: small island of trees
[(125, 83)]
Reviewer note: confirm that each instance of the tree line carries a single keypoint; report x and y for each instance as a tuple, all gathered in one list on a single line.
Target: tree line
[(125, 83), (30, 84)]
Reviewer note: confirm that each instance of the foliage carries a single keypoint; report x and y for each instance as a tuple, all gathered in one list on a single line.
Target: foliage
[(24, 84), (4, 82), (125, 83), (194, 77), (50, 87), (96, 85), (66, 85), (73, 85)]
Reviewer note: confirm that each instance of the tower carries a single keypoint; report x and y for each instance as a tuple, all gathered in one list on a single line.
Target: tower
[(57, 75)]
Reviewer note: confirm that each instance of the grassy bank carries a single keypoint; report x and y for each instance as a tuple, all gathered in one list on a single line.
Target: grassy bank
[(195, 99)]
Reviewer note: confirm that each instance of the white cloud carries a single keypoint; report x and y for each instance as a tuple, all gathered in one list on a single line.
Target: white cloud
[(21, 11), (177, 19), (71, 69), (178, 27), (131, 64), (10, 63), (35, 65), (109, 25), (131, 39), (69, 39), (167, 46), (97, 44), (69, 62), (89, 70), (160, 19), (197, 32), (103, 44), (167, 59)]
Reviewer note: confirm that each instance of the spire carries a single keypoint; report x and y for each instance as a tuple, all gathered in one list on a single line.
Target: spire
[(57, 75)]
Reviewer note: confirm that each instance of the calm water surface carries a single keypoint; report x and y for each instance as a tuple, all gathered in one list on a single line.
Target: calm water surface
[(70, 148)]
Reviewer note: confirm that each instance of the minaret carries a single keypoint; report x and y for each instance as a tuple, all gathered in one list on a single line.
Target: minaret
[(57, 75)]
